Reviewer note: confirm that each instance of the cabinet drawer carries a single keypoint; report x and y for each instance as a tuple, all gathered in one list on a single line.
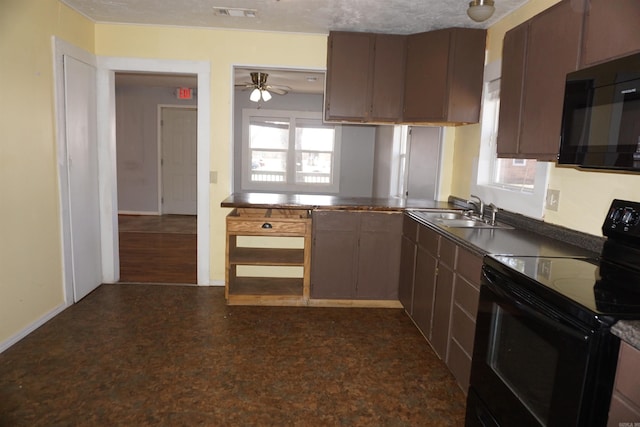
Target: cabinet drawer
[(466, 296), (460, 365), (628, 376), (448, 252), (410, 228), (428, 239), (266, 226), (463, 329), (469, 265)]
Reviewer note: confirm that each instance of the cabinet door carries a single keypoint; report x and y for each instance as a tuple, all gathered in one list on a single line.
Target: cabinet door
[(379, 255), (466, 75), (511, 81), (423, 290), (442, 310), (426, 84), (611, 30), (407, 270), (552, 51), (388, 78), (334, 254), (349, 65)]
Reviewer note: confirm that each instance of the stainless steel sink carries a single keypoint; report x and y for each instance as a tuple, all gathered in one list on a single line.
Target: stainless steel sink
[(458, 219), (469, 223)]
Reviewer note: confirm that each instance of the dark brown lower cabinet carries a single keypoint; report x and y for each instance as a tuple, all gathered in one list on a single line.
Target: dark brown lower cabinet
[(355, 255), (464, 308), (444, 301), (424, 290), (408, 249)]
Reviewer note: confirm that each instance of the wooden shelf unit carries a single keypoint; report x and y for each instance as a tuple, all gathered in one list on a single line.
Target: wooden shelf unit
[(268, 290)]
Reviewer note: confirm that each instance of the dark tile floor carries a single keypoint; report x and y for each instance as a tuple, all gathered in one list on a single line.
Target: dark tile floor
[(167, 355)]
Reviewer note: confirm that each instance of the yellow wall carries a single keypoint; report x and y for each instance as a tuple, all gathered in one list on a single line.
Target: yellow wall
[(584, 196), (30, 237), (223, 49)]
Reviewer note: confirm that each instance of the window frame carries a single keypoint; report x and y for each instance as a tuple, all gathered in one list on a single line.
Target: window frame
[(526, 202), (289, 185)]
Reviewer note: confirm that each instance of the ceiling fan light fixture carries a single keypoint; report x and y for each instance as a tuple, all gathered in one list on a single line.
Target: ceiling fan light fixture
[(255, 95), (480, 10), (266, 95)]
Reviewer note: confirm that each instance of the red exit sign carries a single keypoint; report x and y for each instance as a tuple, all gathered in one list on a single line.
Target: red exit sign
[(185, 93)]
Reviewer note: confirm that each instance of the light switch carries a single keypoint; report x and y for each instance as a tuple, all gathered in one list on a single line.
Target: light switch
[(213, 177), (553, 199)]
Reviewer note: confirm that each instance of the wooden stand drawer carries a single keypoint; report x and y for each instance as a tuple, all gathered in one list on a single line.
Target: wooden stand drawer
[(266, 226)]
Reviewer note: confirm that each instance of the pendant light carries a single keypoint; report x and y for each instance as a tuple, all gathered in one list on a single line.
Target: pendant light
[(480, 10)]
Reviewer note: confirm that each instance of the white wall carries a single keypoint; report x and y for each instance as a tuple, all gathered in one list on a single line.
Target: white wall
[(383, 164), (137, 145)]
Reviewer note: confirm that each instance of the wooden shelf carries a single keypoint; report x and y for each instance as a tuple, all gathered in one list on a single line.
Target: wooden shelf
[(276, 286), (275, 223), (266, 256)]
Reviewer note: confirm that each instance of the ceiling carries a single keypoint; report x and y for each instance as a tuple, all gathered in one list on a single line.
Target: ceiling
[(297, 16)]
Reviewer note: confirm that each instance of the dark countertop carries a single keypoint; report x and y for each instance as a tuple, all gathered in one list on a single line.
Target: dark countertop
[(311, 201), (507, 241)]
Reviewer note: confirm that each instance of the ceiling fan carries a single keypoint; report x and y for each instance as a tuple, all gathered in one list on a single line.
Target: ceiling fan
[(262, 90)]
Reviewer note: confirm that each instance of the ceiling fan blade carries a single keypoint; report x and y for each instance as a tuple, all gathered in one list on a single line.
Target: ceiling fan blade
[(280, 90), (244, 86)]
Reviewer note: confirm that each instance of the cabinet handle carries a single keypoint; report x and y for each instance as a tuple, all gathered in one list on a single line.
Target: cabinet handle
[(267, 225)]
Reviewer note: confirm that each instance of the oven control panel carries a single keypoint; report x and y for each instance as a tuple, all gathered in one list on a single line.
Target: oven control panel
[(623, 219)]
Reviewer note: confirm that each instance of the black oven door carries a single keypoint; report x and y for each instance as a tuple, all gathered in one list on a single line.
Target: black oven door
[(529, 361)]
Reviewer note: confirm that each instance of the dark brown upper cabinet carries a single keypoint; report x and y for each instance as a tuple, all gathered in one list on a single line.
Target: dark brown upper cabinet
[(610, 30), (388, 78), (443, 76), (433, 77), (365, 74), (349, 76), (537, 55)]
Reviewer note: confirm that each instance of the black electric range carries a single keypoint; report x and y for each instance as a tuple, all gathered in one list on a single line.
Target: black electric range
[(543, 352), (607, 287)]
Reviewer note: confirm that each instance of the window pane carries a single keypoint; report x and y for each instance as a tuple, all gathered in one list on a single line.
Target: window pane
[(313, 168), (314, 136), (268, 166), (519, 173), (269, 133)]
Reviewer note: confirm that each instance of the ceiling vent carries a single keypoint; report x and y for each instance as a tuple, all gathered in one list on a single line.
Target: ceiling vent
[(235, 12)]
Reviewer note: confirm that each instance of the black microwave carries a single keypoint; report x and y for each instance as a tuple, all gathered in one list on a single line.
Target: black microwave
[(601, 116)]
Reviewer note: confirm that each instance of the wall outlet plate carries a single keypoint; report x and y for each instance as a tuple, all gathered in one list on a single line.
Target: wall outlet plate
[(553, 199)]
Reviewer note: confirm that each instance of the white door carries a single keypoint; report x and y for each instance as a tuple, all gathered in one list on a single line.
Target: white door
[(179, 160), (82, 172), (424, 159)]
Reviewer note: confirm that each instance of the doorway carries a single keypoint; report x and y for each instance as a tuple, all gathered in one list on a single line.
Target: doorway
[(106, 135), (156, 151)]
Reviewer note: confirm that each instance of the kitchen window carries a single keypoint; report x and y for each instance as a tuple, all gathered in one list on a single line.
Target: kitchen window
[(289, 151), (518, 185)]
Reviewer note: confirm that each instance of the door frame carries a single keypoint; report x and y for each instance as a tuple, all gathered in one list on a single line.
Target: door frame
[(107, 67), (162, 107)]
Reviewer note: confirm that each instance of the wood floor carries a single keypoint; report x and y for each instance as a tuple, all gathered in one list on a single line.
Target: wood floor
[(158, 249)]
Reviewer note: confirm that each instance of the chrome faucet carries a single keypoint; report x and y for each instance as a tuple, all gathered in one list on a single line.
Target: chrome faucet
[(478, 204), (494, 211)]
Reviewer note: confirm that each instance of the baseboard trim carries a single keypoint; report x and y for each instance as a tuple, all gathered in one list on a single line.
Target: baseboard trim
[(150, 213), (4, 345)]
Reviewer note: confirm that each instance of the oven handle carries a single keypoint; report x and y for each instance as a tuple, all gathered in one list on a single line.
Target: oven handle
[(535, 307)]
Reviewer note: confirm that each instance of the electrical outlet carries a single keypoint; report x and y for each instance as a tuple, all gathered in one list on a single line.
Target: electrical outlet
[(553, 199)]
